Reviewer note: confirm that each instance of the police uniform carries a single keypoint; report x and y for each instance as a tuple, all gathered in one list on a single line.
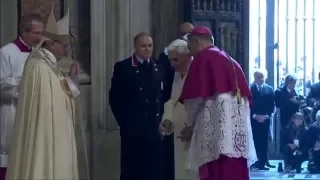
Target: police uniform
[(138, 92)]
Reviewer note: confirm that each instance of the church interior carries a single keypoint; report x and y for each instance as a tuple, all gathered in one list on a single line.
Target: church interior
[(104, 31)]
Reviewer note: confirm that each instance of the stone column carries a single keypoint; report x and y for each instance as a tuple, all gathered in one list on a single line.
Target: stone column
[(166, 17), (8, 21), (114, 23)]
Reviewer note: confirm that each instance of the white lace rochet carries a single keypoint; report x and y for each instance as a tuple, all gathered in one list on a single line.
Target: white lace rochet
[(221, 127)]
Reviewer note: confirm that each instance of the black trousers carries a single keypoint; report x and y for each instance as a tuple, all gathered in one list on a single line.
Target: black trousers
[(141, 158), (168, 146), (260, 132), (289, 157)]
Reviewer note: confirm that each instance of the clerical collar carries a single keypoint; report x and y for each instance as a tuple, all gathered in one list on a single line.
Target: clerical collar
[(140, 60), (23, 47)]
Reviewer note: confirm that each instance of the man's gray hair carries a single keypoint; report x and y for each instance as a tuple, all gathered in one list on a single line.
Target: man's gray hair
[(25, 24), (290, 78), (318, 115), (179, 45), (262, 71)]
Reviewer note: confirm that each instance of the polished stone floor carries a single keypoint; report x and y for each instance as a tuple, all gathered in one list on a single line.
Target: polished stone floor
[(272, 174)]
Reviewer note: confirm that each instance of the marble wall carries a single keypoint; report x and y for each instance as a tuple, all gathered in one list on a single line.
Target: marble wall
[(41, 7), (8, 21)]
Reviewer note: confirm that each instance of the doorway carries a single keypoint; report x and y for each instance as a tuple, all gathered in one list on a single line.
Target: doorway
[(284, 39)]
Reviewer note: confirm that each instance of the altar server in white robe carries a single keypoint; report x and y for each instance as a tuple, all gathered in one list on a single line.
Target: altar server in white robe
[(175, 115), (44, 144), (12, 59)]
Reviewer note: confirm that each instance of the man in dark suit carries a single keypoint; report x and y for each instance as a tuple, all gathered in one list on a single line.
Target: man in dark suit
[(137, 95), (314, 97), (261, 111), (287, 99), (184, 29)]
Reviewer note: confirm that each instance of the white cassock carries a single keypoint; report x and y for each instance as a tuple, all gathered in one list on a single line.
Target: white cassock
[(176, 113), (12, 60)]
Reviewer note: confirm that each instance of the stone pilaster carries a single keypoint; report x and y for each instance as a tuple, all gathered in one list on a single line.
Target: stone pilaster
[(166, 17), (8, 21), (114, 23)]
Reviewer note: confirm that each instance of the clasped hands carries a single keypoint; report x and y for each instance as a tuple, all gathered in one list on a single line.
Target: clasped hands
[(260, 118), (74, 70)]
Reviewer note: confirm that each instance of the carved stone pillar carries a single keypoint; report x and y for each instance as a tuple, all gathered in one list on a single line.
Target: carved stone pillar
[(114, 23), (8, 21), (166, 17)]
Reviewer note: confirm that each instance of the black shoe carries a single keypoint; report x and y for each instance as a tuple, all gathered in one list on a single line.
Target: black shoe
[(263, 168), (270, 166), (280, 167)]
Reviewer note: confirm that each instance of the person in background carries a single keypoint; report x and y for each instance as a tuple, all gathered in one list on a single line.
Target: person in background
[(12, 59), (313, 98), (287, 99), (314, 145), (137, 97), (295, 143), (261, 112)]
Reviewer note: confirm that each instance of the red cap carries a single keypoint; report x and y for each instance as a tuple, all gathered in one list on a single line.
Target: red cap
[(201, 30)]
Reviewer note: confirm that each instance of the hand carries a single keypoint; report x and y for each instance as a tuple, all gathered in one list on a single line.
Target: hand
[(74, 70), (259, 118), (316, 146), (292, 146), (166, 127), (294, 100), (186, 134)]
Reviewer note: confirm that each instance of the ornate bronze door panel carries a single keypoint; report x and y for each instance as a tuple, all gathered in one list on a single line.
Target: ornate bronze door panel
[(229, 22)]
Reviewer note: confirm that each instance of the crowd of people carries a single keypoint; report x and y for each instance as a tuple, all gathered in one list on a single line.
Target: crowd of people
[(299, 122), (190, 114)]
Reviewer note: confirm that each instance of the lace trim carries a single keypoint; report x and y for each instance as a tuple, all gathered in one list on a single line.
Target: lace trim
[(222, 127)]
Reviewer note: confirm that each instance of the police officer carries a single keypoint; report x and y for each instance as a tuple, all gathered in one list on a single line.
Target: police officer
[(138, 92)]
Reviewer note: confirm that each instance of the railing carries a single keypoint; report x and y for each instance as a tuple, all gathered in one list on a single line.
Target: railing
[(296, 43)]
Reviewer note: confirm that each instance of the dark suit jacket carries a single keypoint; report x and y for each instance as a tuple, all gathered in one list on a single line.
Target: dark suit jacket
[(314, 93), (287, 108), (262, 101), (137, 95)]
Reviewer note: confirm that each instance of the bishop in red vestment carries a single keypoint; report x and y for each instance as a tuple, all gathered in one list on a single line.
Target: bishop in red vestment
[(217, 98)]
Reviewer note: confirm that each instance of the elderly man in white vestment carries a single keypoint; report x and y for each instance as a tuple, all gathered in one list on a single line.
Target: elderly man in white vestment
[(175, 115), (12, 59), (44, 145)]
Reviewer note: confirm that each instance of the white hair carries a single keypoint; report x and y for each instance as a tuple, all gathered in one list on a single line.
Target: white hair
[(179, 46), (318, 115), (262, 71)]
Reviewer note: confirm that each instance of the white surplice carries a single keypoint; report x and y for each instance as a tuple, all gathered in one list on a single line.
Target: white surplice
[(12, 61), (221, 127), (176, 113)]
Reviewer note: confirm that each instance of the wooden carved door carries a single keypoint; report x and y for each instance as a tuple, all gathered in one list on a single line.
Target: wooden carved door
[(229, 22)]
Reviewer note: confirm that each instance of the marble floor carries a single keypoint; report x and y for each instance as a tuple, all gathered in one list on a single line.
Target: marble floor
[(272, 174)]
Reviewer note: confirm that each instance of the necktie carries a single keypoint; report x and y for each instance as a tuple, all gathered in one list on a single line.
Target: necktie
[(259, 88)]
